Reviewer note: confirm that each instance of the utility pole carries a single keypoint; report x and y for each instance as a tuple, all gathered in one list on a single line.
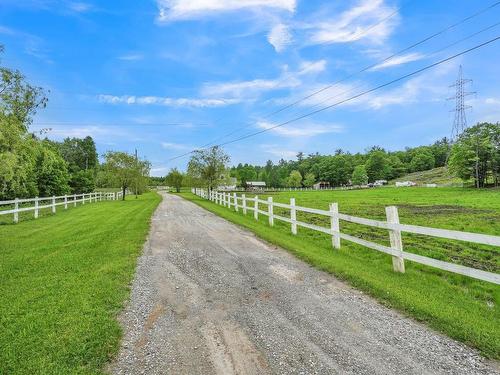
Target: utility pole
[(460, 120), (137, 175)]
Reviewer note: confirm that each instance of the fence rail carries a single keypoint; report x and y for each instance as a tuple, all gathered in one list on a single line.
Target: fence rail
[(392, 225), (53, 202)]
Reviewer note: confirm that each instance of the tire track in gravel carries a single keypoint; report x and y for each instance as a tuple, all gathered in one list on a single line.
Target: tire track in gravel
[(211, 298)]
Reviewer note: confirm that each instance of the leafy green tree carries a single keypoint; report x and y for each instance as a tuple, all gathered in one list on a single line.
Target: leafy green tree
[(336, 169), (423, 160), (309, 180), (52, 173), (208, 166), (476, 154), (246, 173), (174, 178), (377, 165), (359, 176), (126, 171), (295, 179), (83, 181)]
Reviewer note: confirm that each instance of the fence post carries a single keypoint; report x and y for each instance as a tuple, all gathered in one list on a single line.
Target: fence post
[(16, 208), (74, 200), (53, 204), (270, 210), (36, 208), (256, 208), (293, 215), (83, 198), (235, 202), (244, 203), (228, 200), (335, 225), (398, 262), (65, 202)]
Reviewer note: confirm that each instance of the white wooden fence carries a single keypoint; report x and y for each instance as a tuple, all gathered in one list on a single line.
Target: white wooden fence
[(23, 205), (394, 227)]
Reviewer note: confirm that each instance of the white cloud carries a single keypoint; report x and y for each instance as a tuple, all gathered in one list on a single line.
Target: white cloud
[(165, 101), (79, 7), (303, 130), (131, 57), (279, 37), (398, 60), (175, 146), (253, 88), (279, 152), (172, 10), (494, 101), (368, 20)]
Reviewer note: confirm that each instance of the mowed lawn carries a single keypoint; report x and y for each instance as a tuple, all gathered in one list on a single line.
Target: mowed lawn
[(63, 280), (463, 308)]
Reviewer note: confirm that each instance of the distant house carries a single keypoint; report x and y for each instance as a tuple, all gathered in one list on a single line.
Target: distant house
[(256, 185), (321, 185)]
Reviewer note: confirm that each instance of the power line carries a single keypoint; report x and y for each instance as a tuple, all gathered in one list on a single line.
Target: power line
[(442, 31), (358, 95)]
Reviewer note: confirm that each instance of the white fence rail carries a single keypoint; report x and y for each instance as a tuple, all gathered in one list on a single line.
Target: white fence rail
[(394, 227), (24, 205)]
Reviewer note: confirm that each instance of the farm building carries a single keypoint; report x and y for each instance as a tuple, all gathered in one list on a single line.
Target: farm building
[(321, 185), (256, 185)]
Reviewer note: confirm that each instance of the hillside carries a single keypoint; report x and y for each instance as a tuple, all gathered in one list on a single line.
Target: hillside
[(440, 176)]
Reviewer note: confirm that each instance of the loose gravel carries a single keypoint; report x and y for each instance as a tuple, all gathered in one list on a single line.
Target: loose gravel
[(211, 298)]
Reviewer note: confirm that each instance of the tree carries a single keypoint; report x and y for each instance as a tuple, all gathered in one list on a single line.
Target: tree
[(51, 172), (377, 166), (295, 179), (208, 166), (422, 161), (174, 178), (476, 154), (359, 176), (124, 170), (246, 173), (309, 180)]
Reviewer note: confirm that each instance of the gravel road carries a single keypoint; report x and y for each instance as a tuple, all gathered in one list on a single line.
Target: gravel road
[(210, 298)]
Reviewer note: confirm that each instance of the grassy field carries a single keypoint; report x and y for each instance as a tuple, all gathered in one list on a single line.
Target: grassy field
[(63, 280), (463, 308)]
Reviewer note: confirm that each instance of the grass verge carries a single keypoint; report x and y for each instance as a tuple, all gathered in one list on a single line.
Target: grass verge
[(463, 308), (63, 280)]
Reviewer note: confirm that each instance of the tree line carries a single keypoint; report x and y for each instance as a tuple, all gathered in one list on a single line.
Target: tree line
[(31, 166)]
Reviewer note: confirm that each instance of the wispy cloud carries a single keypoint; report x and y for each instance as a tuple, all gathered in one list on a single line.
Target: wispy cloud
[(303, 130), (399, 60), (172, 10), (278, 151), (80, 7), (253, 88), (131, 57), (165, 101), (369, 20), (279, 37), (175, 146)]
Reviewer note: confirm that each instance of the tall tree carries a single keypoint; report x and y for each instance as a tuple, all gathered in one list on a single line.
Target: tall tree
[(208, 166), (174, 178), (295, 179), (125, 171), (476, 154)]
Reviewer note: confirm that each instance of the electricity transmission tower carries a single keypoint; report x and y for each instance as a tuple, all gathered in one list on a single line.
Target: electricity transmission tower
[(460, 121)]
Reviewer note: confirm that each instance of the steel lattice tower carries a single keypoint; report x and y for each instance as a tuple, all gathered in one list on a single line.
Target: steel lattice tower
[(460, 121)]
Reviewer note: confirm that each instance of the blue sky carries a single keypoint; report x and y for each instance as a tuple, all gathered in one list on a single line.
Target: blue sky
[(167, 76)]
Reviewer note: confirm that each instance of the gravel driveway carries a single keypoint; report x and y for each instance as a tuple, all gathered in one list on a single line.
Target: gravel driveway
[(210, 298)]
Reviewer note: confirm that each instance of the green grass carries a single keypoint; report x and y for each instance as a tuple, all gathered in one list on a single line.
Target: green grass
[(463, 308), (63, 280)]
